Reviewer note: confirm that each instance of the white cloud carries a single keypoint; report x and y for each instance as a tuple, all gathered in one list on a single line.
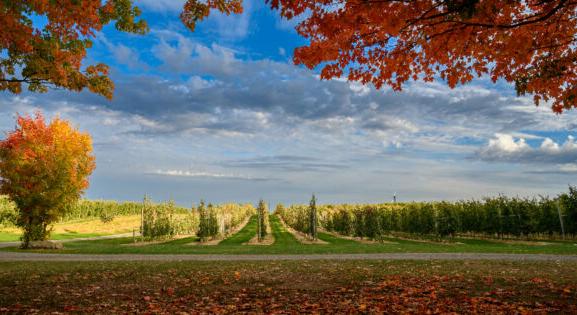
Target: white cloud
[(185, 173), (210, 103), (506, 148), (123, 54), (549, 146), (507, 144), (232, 27), (569, 168)]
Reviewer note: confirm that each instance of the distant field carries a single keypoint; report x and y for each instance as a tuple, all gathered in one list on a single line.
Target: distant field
[(81, 228), (286, 243)]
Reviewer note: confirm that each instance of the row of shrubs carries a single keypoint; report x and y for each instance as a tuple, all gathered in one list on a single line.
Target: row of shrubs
[(106, 210), (300, 217), (159, 220), (165, 220), (499, 217), (206, 221)]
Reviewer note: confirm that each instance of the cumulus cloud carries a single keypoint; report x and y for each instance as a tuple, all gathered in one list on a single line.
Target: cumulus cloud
[(204, 113), (506, 148), (213, 89)]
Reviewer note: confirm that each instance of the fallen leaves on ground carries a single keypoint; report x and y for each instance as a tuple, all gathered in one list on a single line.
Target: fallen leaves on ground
[(286, 289)]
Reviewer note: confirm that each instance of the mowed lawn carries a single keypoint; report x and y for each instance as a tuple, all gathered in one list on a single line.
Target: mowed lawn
[(285, 243), (291, 287)]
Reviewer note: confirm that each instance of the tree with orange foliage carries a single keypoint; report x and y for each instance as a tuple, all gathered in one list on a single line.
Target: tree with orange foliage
[(51, 55), (531, 44), (44, 169)]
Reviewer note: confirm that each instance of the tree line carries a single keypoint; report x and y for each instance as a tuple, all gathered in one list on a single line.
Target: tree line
[(497, 217)]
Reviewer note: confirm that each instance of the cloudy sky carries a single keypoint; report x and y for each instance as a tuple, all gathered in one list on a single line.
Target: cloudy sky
[(223, 114)]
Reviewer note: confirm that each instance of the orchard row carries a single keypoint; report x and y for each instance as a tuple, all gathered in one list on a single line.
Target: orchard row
[(499, 217)]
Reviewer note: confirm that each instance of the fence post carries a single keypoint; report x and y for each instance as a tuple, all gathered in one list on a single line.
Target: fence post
[(258, 221), (142, 217)]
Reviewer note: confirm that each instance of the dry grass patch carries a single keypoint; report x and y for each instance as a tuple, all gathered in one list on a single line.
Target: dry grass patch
[(520, 242), (426, 241), (155, 242), (212, 242), (358, 239), (301, 237), (268, 239)]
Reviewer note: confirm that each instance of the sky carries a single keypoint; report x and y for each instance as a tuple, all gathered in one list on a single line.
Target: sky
[(222, 114)]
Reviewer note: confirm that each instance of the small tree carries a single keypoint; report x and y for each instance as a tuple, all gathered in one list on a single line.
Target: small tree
[(44, 170), (203, 224), (568, 203), (159, 221), (262, 219), (313, 218), (213, 226)]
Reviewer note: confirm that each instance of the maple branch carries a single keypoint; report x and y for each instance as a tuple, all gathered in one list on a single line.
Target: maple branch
[(42, 81), (525, 21), (26, 80), (554, 45)]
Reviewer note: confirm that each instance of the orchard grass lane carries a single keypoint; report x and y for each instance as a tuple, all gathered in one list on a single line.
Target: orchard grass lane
[(242, 236), (285, 243)]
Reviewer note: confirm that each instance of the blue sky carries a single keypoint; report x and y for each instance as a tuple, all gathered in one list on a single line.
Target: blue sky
[(222, 114)]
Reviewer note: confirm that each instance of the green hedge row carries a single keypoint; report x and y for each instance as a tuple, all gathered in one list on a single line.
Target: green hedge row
[(218, 221), (499, 217), (83, 209)]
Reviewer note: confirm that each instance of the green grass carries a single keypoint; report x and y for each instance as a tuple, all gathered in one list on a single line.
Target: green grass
[(283, 239), (12, 237), (285, 243), (242, 236)]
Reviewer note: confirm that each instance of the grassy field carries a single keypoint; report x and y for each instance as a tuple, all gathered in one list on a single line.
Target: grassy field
[(285, 243), (81, 228), (289, 287)]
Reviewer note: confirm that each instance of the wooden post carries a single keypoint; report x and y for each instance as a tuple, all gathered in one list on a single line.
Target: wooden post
[(258, 218), (142, 218)]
